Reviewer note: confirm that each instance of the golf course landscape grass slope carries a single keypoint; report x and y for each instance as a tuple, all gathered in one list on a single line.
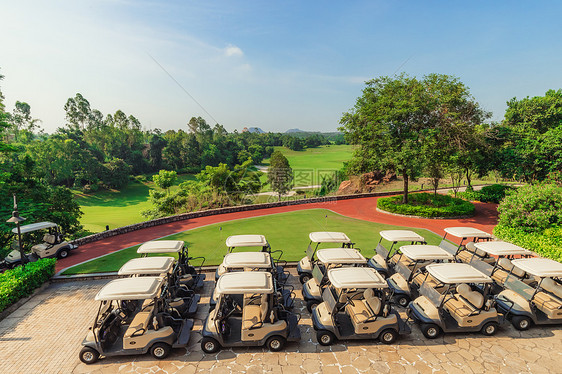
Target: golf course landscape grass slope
[(287, 232)]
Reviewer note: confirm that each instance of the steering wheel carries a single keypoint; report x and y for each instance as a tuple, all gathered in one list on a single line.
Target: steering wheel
[(349, 301)]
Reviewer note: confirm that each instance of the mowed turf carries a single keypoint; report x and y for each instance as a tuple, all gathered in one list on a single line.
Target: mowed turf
[(118, 208), (309, 165), (284, 231)]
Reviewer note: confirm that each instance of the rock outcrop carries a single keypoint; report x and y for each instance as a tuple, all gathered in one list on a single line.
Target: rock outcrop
[(366, 182)]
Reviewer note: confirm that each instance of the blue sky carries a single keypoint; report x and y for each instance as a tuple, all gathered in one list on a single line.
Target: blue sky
[(276, 65)]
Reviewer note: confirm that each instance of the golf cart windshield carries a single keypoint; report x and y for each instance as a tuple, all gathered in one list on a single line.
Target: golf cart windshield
[(519, 287), (310, 252), (432, 295), (449, 247), (482, 266), (403, 270), (382, 251), (317, 274)]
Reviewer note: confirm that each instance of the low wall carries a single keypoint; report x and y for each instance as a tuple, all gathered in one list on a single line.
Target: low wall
[(212, 212)]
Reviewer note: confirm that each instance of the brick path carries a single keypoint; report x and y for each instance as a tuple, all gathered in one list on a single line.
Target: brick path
[(363, 208), (44, 336)]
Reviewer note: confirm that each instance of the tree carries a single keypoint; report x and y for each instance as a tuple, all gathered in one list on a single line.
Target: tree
[(165, 179), (78, 111), (21, 119), (398, 119), (279, 174)]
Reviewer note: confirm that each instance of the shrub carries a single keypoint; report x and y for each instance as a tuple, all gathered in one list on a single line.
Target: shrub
[(427, 205), (19, 282), (532, 208), (547, 243), (488, 194)]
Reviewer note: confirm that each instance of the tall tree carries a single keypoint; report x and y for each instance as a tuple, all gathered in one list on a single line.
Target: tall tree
[(279, 174), (398, 119)]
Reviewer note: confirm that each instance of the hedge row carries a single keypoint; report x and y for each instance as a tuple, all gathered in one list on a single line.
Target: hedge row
[(427, 205), (488, 194), (17, 283), (547, 243)]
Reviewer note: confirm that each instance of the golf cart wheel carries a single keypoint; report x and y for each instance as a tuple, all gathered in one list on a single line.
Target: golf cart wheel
[(430, 330), (325, 337), (388, 336), (490, 328), (402, 300), (304, 277), (160, 350), (275, 343), (311, 305), (521, 323), (209, 345), (63, 253), (89, 355)]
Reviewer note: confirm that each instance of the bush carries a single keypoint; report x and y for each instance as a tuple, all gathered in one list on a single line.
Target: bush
[(488, 194), (19, 282), (427, 205), (532, 208), (547, 243)]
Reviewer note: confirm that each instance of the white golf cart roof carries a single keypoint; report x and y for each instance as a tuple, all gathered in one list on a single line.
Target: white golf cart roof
[(34, 227), (246, 282), (139, 288), (340, 256), (425, 252), (161, 246), (467, 232), (147, 265), (502, 248), (246, 241), (356, 278), (540, 267), (401, 236), (236, 260), (328, 237), (453, 273)]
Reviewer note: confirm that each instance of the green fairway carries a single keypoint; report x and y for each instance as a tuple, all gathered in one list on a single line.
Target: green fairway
[(117, 208), (285, 231), (310, 164)]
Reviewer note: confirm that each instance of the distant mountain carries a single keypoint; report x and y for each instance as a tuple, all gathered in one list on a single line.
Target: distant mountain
[(293, 130)]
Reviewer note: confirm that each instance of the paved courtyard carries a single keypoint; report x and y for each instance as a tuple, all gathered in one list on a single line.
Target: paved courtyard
[(44, 336)]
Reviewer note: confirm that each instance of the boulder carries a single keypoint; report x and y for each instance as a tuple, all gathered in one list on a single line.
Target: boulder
[(365, 182)]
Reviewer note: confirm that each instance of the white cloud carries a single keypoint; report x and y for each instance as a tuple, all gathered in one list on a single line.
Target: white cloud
[(233, 50)]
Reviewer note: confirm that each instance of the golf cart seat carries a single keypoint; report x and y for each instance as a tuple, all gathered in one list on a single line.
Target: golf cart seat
[(50, 238), (504, 268), (470, 251), (421, 277), (253, 315), (464, 304), (139, 325), (364, 309), (549, 302)]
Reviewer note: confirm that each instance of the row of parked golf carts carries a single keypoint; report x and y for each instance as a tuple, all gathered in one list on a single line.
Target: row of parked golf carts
[(477, 285)]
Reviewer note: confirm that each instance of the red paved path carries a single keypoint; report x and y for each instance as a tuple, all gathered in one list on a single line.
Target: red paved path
[(363, 208)]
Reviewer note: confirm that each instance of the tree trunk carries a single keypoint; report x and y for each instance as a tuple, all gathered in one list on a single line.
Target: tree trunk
[(405, 196), (468, 177)]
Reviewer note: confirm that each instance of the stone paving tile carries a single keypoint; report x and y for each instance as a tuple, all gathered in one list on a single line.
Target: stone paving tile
[(44, 336)]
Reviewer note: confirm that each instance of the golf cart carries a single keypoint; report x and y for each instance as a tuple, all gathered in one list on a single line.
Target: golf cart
[(494, 259), (121, 330), (177, 295), (255, 261), (306, 264), (384, 260), (328, 258), (356, 306), (186, 273), (53, 245), (252, 241), (410, 270), (465, 305), (260, 320), (464, 252), (541, 304)]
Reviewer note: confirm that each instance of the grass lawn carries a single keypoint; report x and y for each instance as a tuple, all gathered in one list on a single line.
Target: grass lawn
[(118, 208), (285, 231), (308, 163)]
